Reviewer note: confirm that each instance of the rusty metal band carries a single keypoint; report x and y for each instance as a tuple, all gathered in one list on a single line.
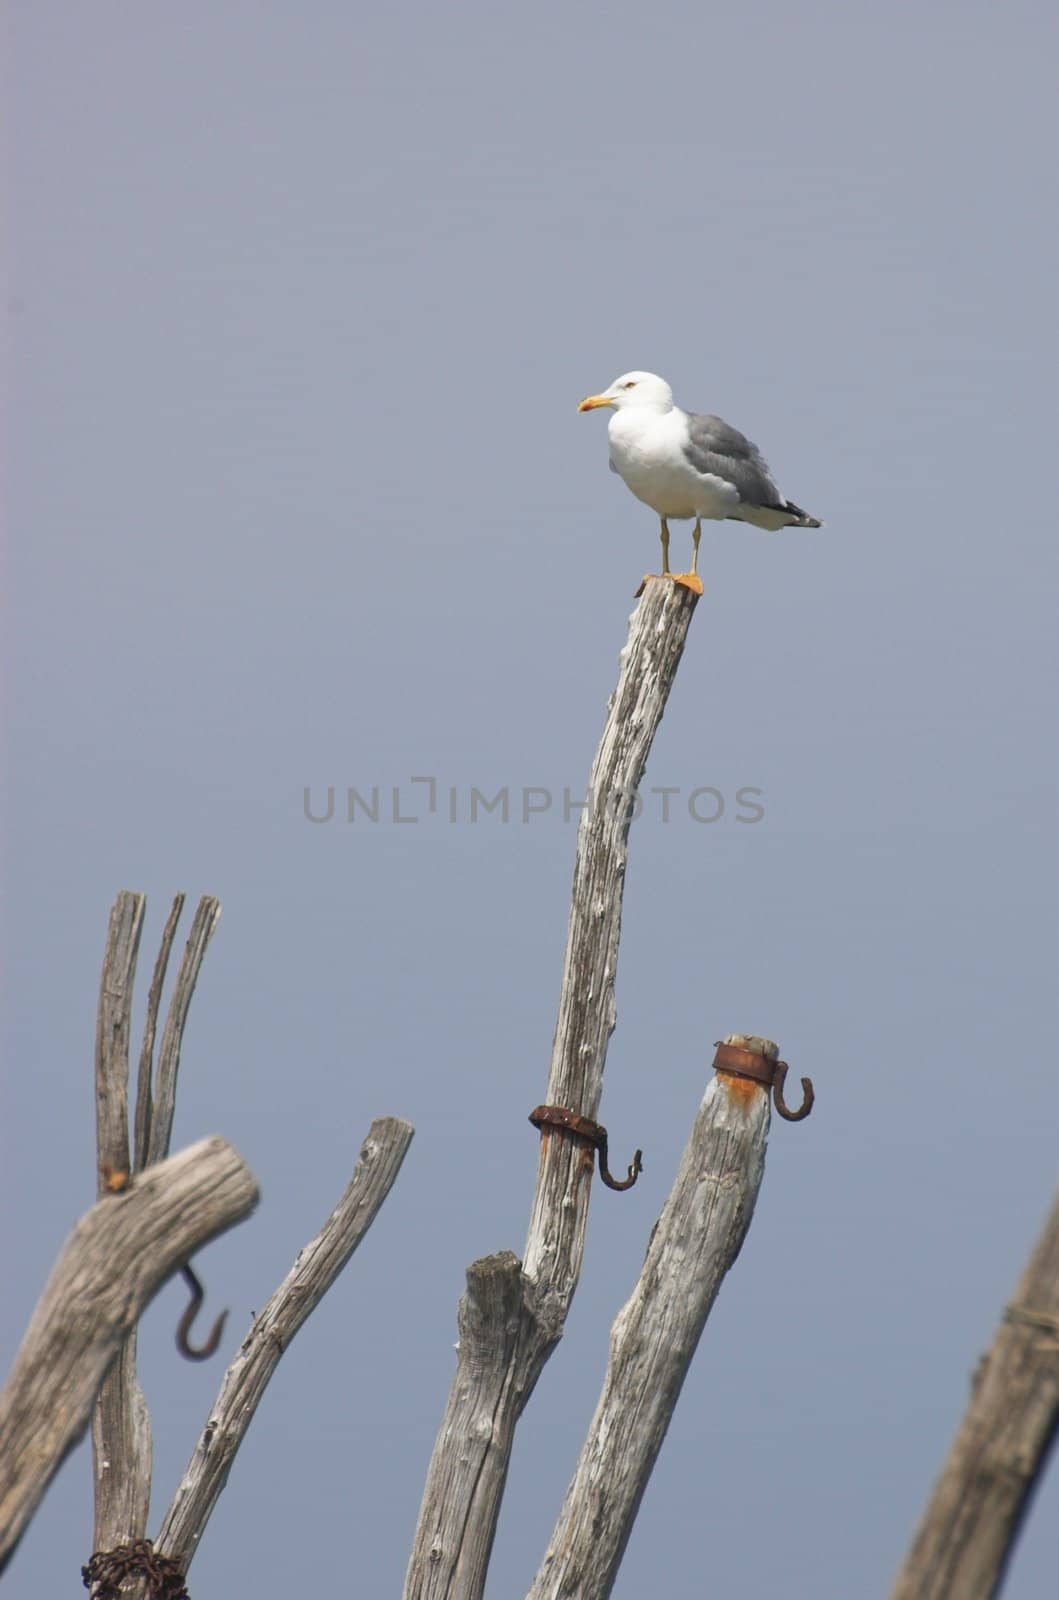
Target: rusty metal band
[(109, 1571), (772, 1075), (593, 1134), (558, 1117), (743, 1063)]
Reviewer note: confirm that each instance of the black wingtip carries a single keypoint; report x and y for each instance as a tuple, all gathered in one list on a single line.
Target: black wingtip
[(804, 519)]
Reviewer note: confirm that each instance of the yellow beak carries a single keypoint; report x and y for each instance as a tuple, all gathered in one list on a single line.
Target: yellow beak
[(595, 400)]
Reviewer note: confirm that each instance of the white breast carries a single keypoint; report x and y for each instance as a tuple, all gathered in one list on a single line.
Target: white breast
[(646, 449)]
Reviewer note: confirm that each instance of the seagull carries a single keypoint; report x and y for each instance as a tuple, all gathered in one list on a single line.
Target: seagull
[(685, 465)]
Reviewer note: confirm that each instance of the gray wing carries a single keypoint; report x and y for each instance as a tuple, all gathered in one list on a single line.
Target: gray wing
[(722, 451)]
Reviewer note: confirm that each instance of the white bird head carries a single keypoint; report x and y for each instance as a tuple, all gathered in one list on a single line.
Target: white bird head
[(642, 389)]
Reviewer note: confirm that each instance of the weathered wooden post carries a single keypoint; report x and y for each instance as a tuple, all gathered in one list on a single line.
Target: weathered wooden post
[(963, 1544), (152, 1215), (514, 1311), (693, 1244), (154, 1211), (118, 1256)]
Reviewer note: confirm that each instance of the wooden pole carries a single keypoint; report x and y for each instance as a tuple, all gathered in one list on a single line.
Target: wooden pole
[(152, 1215), (964, 1541), (116, 1259), (696, 1239), (512, 1315), (121, 1422), (314, 1271), (122, 1450)]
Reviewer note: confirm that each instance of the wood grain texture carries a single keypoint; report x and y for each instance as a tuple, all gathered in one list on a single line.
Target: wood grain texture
[(144, 1086), (122, 1454), (113, 1025), (315, 1270), (587, 1014), (495, 1357), (207, 916), (509, 1325), (964, 1541), (121, 1424), (696, 1239), (118, 1256)]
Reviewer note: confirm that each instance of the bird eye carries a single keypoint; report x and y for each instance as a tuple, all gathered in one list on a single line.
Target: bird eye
[(631, 384)]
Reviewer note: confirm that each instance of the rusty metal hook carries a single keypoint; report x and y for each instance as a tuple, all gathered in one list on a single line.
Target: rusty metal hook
[(808, 1096), (634, 1169), (197, 1352), (772, 1075), (594, 1134)]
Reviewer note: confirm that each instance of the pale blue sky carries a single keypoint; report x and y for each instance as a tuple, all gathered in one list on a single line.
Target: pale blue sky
[(302, 301)]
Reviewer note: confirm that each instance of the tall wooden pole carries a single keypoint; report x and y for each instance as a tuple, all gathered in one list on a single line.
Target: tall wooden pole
[(696, 1239), (512, 1315)]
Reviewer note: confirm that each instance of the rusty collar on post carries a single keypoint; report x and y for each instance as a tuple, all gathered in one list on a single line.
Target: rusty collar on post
[(593, 1133), (740, 1063), (109, 1570)]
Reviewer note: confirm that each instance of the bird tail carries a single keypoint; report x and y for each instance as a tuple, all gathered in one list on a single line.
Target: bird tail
[(800, 518)]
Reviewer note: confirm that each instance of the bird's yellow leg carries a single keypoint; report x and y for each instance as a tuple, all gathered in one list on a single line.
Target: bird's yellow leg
[(691, 580), (665, 558)]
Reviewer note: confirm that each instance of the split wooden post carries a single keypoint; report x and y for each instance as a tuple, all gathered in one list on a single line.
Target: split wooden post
[(512, 1315), (118, 1256), (696, 1239), (964, 1541), (152, 1216), (121, 1423)]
